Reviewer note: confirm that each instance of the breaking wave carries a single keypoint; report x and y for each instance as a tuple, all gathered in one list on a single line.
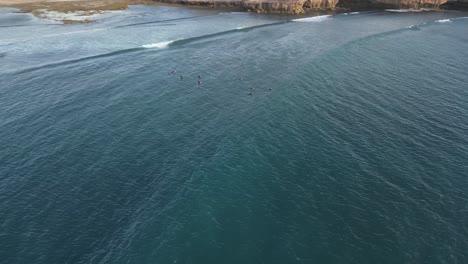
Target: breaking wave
[(159, 45), (403, 10), (312, 19), (444, 21), (352, 13)]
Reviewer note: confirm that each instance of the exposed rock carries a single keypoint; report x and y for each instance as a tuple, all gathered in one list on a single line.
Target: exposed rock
[(258, 6), (455, 5), (368, 4), (261, 6), (302, 6), (416, 4)]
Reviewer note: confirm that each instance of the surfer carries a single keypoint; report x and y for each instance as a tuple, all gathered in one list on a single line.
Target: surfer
[(181, 77)]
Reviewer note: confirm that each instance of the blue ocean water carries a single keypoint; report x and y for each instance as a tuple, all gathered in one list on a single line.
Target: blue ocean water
[(332, 139)]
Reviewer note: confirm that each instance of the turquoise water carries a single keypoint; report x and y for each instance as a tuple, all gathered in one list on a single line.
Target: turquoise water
[(352, 148)]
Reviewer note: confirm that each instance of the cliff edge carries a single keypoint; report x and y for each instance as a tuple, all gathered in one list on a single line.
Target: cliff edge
[(302, 6), (257, 6)]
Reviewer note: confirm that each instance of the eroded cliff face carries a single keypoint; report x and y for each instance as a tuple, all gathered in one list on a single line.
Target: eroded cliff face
[(302, 6), (288, 6), (320, 4), (397, 4), (265, 6)]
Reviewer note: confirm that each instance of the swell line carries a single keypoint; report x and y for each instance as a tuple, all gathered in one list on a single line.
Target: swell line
[(148, 46), (67, 62), (104, 28), (162, 21), (208, 36), (405, 29)]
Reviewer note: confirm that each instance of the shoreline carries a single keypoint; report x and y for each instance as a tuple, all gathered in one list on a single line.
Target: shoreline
[(83, 10)]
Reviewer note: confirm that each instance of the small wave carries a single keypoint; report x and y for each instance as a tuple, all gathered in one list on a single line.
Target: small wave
[(444, 21), (403, 10), (351, 13), (162, 21), (72, 61), (239, 28), (312, 19), (415, 27), (235, 30), (159, 45)]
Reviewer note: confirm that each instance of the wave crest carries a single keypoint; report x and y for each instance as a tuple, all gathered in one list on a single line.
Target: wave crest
[(312, 19), (158, 45), (444, 21), (404, 10)]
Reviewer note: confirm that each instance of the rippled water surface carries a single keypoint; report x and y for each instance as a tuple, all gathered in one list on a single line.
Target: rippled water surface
[(333, 139)]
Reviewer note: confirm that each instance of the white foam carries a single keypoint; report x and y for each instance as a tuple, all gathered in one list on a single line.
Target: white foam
[(76, 15), (403, 10), (158, 45), (312, 19), (239, 28), (444, 21), (351, 13)]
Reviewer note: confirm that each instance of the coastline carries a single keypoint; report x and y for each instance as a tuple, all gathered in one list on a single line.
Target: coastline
[(82, 11), (74, 11)]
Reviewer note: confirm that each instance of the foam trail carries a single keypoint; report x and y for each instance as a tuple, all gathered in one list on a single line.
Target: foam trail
[(159, 45), (352, 13), (312, 19), (403, 10), (444, 21)]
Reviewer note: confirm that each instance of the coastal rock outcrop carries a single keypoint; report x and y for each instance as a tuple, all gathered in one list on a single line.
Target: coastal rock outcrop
[(288, 6), (262, 6), (302, 6), (258, 6), (320, 4), (455, 5)]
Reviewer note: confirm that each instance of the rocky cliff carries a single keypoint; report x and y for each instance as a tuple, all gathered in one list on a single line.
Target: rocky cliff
[(263, 6), (258, 6), (302, 6)]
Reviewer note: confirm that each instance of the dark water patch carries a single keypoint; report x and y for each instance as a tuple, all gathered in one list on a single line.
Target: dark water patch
[(354, 154)]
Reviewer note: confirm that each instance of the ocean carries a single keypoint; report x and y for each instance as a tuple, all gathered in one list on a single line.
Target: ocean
[(177, 135)]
